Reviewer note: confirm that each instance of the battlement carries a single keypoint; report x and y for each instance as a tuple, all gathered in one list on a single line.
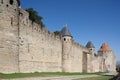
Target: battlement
[(24, 20), (29, 47), (23, 13)]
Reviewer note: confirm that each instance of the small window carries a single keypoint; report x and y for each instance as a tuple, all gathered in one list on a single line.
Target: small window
[(7, 5), (64, 39), (11, 2), (11, 21)]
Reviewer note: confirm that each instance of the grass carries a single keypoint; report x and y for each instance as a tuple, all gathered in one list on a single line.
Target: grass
[(41, 74), (97, 78)]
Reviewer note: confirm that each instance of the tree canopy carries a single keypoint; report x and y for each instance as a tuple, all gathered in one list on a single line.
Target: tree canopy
[(56, 32), (34, 17)]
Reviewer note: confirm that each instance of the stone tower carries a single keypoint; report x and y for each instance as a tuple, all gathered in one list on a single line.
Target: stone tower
[(108, 62), (66, 47), (91, 47), (9, 35)]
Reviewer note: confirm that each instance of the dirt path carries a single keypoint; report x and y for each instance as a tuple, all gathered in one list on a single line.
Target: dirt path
[(56, 78)]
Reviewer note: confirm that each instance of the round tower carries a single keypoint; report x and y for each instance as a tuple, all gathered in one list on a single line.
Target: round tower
[(66, 47), (9, 27), (90, 58), (91, 47)]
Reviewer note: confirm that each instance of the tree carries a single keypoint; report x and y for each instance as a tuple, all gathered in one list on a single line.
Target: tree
[(56, 32), (34, 17)]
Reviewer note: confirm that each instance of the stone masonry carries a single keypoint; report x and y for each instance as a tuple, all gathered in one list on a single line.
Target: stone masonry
[(29, 47)]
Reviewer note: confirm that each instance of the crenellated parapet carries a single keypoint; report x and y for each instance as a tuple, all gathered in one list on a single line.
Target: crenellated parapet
[(26, 46), (36, 28)]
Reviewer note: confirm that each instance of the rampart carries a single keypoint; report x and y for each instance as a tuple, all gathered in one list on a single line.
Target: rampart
[(26, 46), (40, 50)]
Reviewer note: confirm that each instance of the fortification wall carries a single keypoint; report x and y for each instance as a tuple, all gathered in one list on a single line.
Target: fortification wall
[(110, 61), (89, 60), (75, 57), (40, 50), (29, 47), (8, 36), (96, 64)]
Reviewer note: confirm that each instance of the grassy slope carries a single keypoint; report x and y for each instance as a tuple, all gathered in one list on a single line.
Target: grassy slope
[(42, 74)]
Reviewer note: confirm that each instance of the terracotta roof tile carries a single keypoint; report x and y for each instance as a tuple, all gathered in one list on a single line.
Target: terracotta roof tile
[(104, 47)]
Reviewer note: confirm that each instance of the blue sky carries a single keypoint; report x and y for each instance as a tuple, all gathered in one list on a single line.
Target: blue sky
[(88, 20)]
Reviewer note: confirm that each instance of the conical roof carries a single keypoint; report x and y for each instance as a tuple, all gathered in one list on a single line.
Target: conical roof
[(90, 45), (104, 47), (65, 32)]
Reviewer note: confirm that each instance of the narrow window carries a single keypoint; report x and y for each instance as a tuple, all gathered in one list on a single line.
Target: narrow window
[(11, 2), (2, 1), (11, 21)]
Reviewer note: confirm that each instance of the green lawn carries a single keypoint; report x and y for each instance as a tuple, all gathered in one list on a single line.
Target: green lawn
[(41, 74), (96, 78)]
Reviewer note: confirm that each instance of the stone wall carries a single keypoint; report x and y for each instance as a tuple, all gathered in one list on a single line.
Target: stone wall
[(40, 50), (109, 61), (28, 47), (95, 64), (76, 55), (8, 36), (73, 56)]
